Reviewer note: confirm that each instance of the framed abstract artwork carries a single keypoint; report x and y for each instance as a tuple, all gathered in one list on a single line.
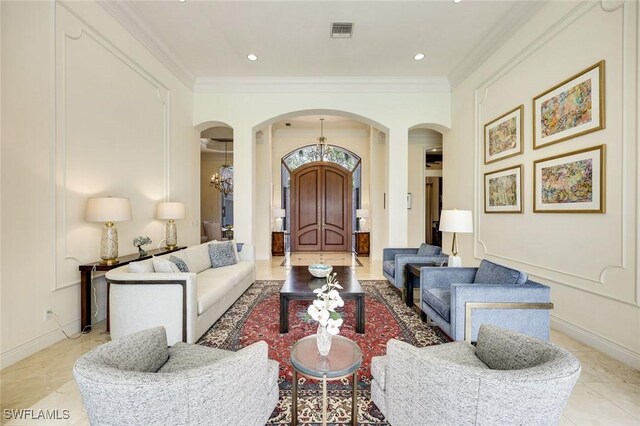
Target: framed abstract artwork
[(572, 108), (570, 183), (503, 190), (503, 136)]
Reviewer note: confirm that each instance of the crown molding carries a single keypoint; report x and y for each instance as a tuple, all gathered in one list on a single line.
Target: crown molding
[(321, 84), (124, 14), (314, 133), (512, 22)]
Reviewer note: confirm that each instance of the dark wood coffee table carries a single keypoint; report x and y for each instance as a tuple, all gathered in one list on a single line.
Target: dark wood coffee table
[(300, 285)]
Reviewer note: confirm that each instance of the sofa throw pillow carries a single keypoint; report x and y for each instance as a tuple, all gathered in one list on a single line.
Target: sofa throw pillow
[(181, 264), (236, 250), (428, 250), (222, 254), (163, 265), (141, 266)]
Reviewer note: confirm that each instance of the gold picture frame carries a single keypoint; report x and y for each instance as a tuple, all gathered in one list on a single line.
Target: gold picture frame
[(571, 108), (504, 130), (503, 190), (584, 169)]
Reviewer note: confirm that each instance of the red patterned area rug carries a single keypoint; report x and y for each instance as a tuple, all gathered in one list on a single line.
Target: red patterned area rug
[(254, 317)]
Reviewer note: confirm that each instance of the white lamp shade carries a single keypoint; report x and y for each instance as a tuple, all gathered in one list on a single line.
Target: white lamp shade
[(362, 213), (279, 213), (108, 209), (170, 210), (459, 221)]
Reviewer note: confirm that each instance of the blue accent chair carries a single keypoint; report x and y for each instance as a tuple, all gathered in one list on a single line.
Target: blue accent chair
[(394, 261), (521, 305)]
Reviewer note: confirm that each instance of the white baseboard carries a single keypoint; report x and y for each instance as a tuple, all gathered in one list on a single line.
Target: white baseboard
[(600, 343), (37, 344)]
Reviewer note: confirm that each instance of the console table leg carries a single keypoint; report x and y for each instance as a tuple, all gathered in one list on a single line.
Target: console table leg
[(85, 301)]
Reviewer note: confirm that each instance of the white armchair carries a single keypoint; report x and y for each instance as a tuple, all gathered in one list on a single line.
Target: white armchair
[(508, 379), (136, 380)]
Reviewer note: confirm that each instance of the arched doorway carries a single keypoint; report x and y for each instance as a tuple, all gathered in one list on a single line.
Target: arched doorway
[(216, 187), (321, 206)]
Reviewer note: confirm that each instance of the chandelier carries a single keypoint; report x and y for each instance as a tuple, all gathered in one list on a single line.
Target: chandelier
[(223, 181), (322, 140)]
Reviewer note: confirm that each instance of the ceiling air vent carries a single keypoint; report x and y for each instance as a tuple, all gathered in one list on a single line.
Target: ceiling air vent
[(341, 29)]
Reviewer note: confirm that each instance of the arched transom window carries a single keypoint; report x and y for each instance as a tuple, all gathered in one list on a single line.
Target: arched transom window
[(330, 153)]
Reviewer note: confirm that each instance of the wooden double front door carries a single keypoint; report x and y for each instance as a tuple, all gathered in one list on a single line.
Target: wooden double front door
[(321, 207)]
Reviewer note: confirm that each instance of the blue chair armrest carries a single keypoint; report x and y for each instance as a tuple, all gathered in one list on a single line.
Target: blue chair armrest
[(445, 277), (530, 292), (390, 253)]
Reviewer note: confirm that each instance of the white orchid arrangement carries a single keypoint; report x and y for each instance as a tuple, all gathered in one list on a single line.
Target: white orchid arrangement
[(324, 307)]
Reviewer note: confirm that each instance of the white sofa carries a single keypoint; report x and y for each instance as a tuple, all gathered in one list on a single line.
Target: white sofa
[(186, 304)]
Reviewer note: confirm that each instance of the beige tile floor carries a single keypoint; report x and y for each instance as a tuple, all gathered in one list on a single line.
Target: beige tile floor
[(608, 392)]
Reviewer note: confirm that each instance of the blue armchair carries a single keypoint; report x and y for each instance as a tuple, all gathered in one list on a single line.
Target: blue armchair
[(394, 261), (458, 300)]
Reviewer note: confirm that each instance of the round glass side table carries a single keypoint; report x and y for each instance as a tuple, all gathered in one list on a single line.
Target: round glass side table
[(343, 360)]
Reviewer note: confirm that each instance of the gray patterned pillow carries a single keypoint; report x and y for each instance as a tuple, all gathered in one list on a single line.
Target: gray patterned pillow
[(181, 264), (222, 254)]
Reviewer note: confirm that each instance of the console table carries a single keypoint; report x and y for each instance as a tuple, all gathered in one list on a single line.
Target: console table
[(362, 243), (85, 280), (277, 243)]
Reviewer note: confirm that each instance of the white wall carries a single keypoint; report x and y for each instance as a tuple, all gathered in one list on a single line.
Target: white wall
[(250, 110), (590, 260), (87, 111)]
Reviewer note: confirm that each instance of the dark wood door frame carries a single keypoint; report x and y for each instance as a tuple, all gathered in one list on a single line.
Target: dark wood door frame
[(321, 227)]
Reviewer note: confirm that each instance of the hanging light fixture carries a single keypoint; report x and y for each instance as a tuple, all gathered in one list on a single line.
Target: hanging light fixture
[(223, 181), (322, 140)]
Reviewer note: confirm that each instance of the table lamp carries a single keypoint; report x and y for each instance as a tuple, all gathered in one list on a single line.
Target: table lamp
[(108, 210), (456, 221), (279, 214), (170, 211), (362, 215)]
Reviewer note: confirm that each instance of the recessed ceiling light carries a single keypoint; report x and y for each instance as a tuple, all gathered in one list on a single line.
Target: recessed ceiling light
[(252, 57), (457, 1), (419, 57), (182, 1)]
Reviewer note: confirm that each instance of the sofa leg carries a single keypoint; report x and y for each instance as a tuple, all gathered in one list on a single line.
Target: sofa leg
[(423, 316)]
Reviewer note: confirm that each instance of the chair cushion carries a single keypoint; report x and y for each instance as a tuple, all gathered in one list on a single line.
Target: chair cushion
[(524, 351), (439, 299), (184, 356), (389, 266), (492, 273), (145, 351), (461, 353), (428, 250)]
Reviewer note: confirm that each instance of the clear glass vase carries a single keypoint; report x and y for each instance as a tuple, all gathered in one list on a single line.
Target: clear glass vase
[(323, 338)]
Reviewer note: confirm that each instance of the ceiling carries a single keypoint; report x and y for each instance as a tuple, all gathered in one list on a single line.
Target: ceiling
[(209, 39)]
